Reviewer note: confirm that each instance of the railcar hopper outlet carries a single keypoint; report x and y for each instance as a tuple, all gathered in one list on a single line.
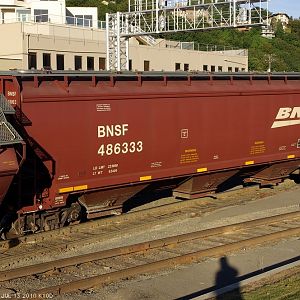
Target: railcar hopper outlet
[(96, 140)]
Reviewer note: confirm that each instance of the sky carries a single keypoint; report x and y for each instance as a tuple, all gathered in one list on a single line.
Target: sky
[(291, 7)]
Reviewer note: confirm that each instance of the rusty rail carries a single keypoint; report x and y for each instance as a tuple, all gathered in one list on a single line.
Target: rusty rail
[(163, 264), (203, 206), (43, 267), (93, 224)]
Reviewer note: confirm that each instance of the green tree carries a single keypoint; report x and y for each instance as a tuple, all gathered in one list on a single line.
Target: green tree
[(279, 30)]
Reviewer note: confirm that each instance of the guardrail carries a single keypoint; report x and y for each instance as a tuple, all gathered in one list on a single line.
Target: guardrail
[(194, 46), (56, 19)]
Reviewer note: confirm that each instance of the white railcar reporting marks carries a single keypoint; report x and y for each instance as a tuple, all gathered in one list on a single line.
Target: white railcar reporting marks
[(112, 130), (104, 131), (118, 148)]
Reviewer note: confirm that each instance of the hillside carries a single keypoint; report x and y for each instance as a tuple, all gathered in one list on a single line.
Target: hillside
[(283, 50)]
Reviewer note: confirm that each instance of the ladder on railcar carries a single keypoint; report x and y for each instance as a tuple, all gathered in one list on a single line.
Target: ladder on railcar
[(8, 135)]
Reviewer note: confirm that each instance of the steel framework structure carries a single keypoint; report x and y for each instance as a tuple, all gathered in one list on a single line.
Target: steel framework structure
[(146, 17)]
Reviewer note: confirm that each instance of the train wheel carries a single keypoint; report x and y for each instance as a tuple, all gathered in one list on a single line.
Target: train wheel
[(16, 230), (71, 215)]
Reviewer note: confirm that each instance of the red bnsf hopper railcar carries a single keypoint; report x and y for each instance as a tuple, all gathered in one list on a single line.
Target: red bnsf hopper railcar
[(95, 140)]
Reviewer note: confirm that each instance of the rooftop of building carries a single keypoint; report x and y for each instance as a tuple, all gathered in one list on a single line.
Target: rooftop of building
[(280, 14)]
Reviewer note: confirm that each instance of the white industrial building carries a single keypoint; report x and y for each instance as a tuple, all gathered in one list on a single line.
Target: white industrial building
[(39, 34), (54, 11)]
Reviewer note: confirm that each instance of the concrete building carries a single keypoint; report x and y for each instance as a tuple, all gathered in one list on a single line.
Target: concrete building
[(49, 35), (280, 17)]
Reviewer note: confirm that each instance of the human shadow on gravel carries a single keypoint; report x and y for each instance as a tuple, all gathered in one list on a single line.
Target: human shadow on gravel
[(238, 279), (227, 275)]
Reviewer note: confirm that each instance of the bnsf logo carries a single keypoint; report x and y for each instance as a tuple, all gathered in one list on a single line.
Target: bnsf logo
[(287, 116)]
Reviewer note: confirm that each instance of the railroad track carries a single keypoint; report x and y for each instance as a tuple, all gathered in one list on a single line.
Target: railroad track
[(30, 249), (161, 254)]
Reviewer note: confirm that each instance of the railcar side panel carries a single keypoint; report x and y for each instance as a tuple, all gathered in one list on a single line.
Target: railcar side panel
[(92, 133), (109, 138)]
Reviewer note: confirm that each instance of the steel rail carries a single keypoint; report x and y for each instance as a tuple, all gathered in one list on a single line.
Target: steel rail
[(156, 215), (96, 237), (158, 211), (159, 243), (141, 214), (163, 264)]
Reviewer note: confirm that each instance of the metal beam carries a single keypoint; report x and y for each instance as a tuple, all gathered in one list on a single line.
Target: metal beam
[(147, 17)]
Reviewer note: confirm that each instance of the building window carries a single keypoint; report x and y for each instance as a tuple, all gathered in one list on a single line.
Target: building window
[(130, 64), (70, 20), (220, 69), (78, 62), (46, 61), (236, 69), (177, 66), (205, 68), (79, 20), (60, 62), (84, 20), (186, 67), (102, 63), (90, 63), (31, 60), (213, 68), (243, 69), (146, 65), (87, 20), (23, 15), (41, 15), (229, 69)]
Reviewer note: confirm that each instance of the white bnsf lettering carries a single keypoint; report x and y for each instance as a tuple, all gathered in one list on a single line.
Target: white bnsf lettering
[(287, 116), (112, 130), (283, 113), (288, 112), (11, 94), (105, 131), (295, 113)]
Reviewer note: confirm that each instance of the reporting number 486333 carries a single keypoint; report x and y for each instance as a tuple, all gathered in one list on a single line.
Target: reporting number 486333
[(118, 148)]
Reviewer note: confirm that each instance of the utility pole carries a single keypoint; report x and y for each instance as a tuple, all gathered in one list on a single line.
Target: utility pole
[(270, 60)]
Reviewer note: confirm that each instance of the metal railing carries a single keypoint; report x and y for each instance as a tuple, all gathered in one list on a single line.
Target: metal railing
[(148, 39), (56, 19), (194, 46)]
